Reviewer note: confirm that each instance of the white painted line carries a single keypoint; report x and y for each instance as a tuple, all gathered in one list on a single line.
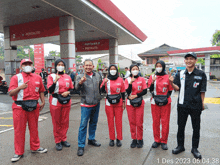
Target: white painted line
[(6, 130), (5, 113)]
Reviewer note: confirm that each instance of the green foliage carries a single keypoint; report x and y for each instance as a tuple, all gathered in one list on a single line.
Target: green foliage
[(201, 61), (78, 59), (1, 47), (215, 56), (216, 38), (21, 53), (99, 61), (54, 53)]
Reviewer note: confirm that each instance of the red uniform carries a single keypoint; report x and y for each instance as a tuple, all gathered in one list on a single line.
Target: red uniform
[(136, 114), (161, 113), (113, 87), (20, 116), (60, 112)]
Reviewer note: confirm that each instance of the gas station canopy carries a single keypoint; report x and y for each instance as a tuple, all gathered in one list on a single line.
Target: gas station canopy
[(93, 20)]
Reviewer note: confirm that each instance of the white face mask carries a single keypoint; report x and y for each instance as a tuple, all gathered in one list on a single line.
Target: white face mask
[(159, 70), (113, 72), (27, 69), (60, 68), (135, 72)]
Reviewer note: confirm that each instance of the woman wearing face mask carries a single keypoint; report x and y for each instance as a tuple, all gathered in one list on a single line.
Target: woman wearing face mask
[(60, 86), (114, 103), (160, 106), (135, 87)]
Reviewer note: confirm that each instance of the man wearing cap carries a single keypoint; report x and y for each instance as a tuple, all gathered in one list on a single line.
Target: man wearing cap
[(192, 86), (25, 89)]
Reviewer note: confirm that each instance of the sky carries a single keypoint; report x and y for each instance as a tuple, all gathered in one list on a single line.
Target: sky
[(183, 24)]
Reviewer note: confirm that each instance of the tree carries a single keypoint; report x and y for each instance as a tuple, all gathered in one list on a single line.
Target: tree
[(78, 59), (216, 38), (21, 53), (215, 56), (201, 61), (99, 63), (54, 53), (1, 46)]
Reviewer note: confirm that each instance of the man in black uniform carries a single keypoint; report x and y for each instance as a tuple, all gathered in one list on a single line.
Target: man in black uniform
[(192, 86)]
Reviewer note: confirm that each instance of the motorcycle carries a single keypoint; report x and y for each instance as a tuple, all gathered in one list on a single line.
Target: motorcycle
[(4, 87)]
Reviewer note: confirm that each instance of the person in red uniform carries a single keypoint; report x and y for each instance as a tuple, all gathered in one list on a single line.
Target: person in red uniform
[(114, 103), (24, 88), (60, 86), (135, 87), (160, 85)]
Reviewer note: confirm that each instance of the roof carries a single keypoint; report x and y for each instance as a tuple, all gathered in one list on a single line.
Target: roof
[(198, 51), (158, 51), (93, 19), (108, 55)]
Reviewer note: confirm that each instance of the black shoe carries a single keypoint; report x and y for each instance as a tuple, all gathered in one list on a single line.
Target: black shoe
[(16, 158), (155, 145), (94, 143), (196, 153), (118, 143), (178, 150), (80, 151), (111, 143), (164, 146), (59, 147), (140, 143), (65, 144), (133, 143)]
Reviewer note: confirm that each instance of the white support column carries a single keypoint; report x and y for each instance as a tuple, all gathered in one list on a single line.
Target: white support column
[(67, 40), (207, 66), (113, 52), (10, 56)]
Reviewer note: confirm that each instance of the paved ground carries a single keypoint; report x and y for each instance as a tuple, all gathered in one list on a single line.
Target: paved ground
[(210, 136)]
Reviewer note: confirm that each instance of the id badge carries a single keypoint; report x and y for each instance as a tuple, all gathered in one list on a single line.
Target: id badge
[(54, 101)]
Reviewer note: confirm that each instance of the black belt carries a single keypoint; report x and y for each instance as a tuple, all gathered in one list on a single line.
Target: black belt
[(55, 95), (20, 102)]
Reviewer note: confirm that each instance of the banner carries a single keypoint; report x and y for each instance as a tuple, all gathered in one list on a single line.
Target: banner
[(95, 45), (38, 57)]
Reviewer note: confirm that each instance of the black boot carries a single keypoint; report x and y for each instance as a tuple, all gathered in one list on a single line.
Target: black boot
[(111, 143), (178, 150), (133, 143), (118, 143), (59, 146), (65, 144), (155, 145), (140, 143), (196, 153), (164, 146), (80, 151), (94, 143)]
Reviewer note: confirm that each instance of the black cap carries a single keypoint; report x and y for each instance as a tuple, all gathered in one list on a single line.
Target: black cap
[(191, 54)]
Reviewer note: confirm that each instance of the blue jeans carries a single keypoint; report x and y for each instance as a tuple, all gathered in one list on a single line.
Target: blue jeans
[(91, 114)]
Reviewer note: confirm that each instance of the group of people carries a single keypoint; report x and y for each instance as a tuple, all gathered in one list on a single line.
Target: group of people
[(26, 88)]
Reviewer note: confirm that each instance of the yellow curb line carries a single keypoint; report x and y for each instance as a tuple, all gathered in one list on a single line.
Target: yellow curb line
[(6, 125)]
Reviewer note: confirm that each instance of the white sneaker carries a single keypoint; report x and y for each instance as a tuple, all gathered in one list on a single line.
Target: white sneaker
[(40, 150), (16, 158)]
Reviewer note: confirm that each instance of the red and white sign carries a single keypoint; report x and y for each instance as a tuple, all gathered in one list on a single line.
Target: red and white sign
[(95, 45), (37, 29), (38, 57)]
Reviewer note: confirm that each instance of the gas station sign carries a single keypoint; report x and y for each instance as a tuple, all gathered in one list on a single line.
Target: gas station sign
[(38, 57), (95, 45)]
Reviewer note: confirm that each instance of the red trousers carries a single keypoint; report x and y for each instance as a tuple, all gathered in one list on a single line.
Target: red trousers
[(135, 117), (60, 119), (161, 114), (20, 119), (114, 115)]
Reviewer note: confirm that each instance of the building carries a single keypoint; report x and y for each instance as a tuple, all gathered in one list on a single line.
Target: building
[(152, 56), (122, 61)]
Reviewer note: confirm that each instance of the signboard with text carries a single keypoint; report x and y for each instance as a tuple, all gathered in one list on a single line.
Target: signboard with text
[(95, 45), (38, 57)]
